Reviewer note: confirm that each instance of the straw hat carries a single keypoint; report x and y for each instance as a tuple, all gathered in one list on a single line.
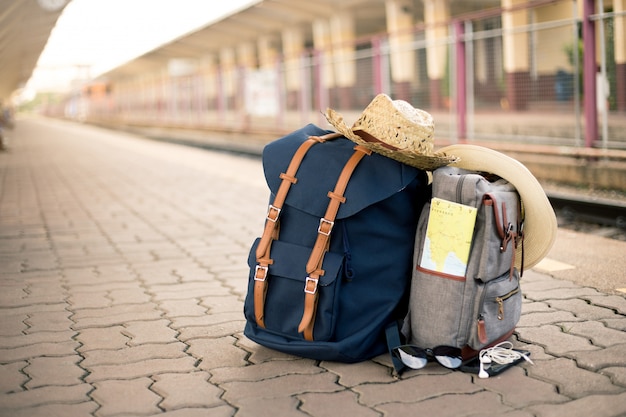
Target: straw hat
[(539, 218), (394, 129)]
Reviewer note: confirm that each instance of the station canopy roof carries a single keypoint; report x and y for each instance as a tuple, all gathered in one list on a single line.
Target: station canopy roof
[(271, 17), (25, 27)]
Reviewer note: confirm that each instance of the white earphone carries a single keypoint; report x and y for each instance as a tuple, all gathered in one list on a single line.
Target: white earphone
[(501, 353)]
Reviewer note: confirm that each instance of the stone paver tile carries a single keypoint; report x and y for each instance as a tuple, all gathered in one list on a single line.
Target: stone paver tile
[(129, 296), (115, 315), (182, 308), (102, 338), (560, 293), (12, 377), (58, 370), (217, 353), (594, 360), (221, 329), (535, 307), (147, 367), (40, 262), (206, 320), (282, 386), (592, 405), (221, 411), (91, 260), (572, 381), (617, 374), (554, 340), (48, 321), (12, 324), (344, 403), (222, 304), (615, 302), (187, 390), (38, 349), (29, 302), (617, 323), (132, 397), (417, 387), (53, 410), (192, 290), (550, 317), (518, 390), (351, 375), (599, 334), (94, 299), (265, 370), (133, 354), (45, 395), (33, 338), (269, 407), (582, 309), (481, 403), (144, 332)]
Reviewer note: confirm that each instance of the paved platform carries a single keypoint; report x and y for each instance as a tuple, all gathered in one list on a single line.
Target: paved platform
[(122, 279)]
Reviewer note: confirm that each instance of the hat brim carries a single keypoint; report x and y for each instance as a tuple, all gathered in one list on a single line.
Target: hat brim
[(540, 224), (425, 162)]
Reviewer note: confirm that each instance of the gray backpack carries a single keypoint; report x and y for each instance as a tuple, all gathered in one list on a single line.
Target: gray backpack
[(465, 290)]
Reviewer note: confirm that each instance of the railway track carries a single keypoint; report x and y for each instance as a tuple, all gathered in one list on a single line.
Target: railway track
[(602, 217)]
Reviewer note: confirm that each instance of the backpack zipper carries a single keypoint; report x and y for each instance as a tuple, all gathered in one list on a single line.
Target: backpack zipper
[(500, 300), (459, 189)]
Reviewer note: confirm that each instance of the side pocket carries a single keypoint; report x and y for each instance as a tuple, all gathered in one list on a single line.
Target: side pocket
[(284, 302), (499, 212), (498, 309)]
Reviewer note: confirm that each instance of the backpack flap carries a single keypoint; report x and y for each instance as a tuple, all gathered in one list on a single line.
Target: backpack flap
[(376, 178)]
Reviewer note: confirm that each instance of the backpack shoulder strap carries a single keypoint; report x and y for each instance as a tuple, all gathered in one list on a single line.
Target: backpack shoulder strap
[(314, 265), (270, 231)]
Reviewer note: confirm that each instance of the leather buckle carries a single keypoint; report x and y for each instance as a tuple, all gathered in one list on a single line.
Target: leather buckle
[(330, 227), (306, 285), (273, 209), (263, 275)]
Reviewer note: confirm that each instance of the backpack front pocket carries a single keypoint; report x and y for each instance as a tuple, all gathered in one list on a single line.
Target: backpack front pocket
[(286, 279), (498, 310)]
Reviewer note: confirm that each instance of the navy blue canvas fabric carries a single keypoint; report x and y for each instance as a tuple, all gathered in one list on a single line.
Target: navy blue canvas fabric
[(369, 265)]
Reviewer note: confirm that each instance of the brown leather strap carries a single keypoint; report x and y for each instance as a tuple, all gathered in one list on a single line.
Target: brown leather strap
[(314, 265), (270, 231)]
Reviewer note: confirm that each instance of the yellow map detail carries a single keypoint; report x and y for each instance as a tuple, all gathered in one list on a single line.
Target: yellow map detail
[(448, 237)]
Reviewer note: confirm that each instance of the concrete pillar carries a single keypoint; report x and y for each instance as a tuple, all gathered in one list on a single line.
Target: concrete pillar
[(293, 48), (267, 47), (246, 55), (399, 14), (436, 17), (342, 34), (516, 58), (228, 78), (619, 6), (323, 66), (209, 70), (323, 46)]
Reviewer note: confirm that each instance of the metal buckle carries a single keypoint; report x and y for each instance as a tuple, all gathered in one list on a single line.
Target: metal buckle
[(256, 272), (306, 285), (269, 210), (329, 223)]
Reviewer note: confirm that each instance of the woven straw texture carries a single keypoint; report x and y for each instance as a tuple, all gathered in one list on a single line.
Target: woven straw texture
[(403, 132)]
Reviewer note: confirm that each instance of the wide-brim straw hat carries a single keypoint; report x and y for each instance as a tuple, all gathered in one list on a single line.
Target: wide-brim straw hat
[(395, 129), (540, 224)]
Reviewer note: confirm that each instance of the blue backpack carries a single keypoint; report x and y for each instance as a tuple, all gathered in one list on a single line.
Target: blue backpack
[(333, 266)]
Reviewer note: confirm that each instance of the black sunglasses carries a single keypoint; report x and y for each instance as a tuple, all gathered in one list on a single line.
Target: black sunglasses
[(416, 358)]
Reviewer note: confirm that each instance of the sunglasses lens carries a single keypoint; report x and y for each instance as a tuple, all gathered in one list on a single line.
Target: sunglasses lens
[(412, 357), (450, 357)]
